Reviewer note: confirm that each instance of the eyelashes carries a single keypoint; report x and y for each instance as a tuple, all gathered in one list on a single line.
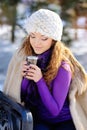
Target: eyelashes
[(43, 39)]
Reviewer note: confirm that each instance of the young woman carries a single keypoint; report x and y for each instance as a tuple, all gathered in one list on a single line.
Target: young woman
[(54, 89)]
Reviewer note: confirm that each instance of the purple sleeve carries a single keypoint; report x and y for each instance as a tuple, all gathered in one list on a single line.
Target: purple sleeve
[(54, 102), (24, 85)]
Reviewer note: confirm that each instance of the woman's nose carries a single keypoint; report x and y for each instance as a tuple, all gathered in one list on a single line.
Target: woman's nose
[(37, 41)]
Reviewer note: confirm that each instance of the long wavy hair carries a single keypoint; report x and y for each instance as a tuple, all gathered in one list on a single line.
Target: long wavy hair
[(59, 53)]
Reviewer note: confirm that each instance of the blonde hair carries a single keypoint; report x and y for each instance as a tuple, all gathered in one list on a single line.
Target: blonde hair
[(60, 53)]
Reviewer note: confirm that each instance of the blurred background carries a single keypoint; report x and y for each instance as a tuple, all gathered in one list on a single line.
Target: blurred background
[(12, 17)]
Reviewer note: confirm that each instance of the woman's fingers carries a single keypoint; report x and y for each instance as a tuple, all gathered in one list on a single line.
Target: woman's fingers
[(24, 68), (34, 73)]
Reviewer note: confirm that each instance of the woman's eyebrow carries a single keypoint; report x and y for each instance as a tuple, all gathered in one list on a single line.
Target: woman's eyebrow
[(32, 33), (41, 35)]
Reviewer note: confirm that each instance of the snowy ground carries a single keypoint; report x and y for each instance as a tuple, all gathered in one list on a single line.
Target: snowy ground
[(78, 47)]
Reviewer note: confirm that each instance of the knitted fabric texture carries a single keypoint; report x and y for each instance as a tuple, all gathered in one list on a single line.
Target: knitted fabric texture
[(46, 22)]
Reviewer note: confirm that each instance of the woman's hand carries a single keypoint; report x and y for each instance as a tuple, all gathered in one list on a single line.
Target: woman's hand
[(34, 73), (24, 68)]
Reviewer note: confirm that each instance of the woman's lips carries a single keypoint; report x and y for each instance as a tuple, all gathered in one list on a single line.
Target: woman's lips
[(37, 47)]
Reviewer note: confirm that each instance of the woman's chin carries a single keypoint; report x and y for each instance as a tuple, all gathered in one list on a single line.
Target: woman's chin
[(38, 52)]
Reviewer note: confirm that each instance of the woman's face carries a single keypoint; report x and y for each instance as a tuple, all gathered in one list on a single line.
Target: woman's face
[(40, 43)]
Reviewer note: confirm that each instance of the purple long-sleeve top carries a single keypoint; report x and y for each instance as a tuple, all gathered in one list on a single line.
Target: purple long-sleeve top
[(51, 106)]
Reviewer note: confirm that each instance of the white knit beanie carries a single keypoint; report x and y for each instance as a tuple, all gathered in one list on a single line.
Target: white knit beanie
[(46, 22)]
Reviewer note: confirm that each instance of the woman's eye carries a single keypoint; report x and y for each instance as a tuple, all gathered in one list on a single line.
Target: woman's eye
[(44, 39)]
